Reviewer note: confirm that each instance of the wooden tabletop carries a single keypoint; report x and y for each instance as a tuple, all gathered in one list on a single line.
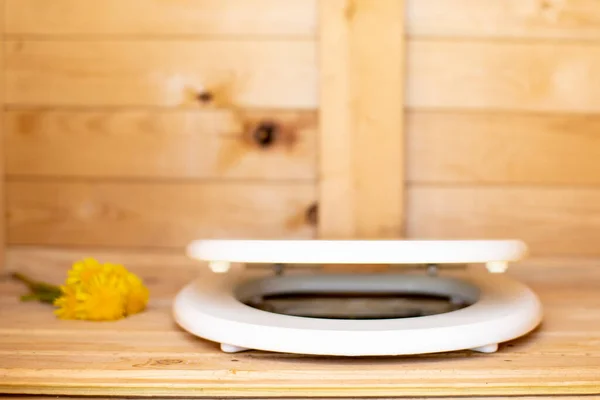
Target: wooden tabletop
[(148, 355)]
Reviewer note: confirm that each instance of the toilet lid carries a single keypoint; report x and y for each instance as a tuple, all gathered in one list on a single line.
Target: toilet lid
[(357, 251)]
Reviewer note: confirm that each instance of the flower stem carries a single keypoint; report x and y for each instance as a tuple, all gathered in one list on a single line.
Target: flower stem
[(23, 278), (40, 291)]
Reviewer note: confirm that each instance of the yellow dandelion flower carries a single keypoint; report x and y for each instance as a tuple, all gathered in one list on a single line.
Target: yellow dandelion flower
[(67, 303), (138, 295), (103, 299), (118, 269), (83, 271), (101, 292)]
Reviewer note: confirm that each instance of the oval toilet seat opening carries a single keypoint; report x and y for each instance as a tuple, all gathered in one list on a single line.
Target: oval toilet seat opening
[(357, 297)]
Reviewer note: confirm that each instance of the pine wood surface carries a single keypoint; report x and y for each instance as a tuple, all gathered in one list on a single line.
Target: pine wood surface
[(502, 75), (361, 144), (2, 146), (565, 397), (504, 19), (210, 143), (500, 110), (487, 19), (442, 147), (152, 18), (279, 73), (276, 73), (486, 148), (147, 355), (552, 220), (169, 214)]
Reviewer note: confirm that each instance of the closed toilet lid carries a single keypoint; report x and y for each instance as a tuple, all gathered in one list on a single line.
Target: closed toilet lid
[(357, 251), (210, 308)]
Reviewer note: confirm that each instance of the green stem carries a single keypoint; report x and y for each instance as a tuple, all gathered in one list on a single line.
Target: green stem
[(43, 292), (23, 278), (29, 297)]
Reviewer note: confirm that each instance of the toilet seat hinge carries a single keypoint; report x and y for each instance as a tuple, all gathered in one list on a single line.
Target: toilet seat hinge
[(432, 269), (278, 268)]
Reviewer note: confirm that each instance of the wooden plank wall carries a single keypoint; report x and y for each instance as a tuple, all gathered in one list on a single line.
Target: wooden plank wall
[(503, 136), (147, 124), (129, 123)]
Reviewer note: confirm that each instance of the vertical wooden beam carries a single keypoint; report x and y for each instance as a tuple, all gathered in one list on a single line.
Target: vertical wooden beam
[(362, 123), (3, 235)]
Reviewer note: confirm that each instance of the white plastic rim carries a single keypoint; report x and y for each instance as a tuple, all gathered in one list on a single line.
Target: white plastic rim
[(357, 251), (505, 310)]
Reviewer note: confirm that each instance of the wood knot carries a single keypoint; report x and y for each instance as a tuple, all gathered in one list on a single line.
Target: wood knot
[(350, 10), (205, 97), (312, 214), (551, 10), (160, 362), (265, 133), (167, 362)]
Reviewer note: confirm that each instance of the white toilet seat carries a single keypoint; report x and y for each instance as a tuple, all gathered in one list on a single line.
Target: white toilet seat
[(357, 251), (503, 309)]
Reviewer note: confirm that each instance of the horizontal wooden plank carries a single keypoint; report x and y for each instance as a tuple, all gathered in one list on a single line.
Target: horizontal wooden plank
[(518, 19), (157, 144), (552, 221), (506, 148), (157, 17), (550, 397), (567, 19), (525, 397), (269, 74), (486, 147), (283, 74), (154, 215), (205, 373), (483, 75)]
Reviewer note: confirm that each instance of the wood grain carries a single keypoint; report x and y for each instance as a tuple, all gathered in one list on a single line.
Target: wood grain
[(147, 355), (3, 147), (361, 119), (486, 147), (151, 144), (502, 148), (269, 74), (523, 76), (494, 19), (563, 397), (138, 344), (552, 221), (550, 397), (518, 19), (154, 215), (156, 17), (509, 76)]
